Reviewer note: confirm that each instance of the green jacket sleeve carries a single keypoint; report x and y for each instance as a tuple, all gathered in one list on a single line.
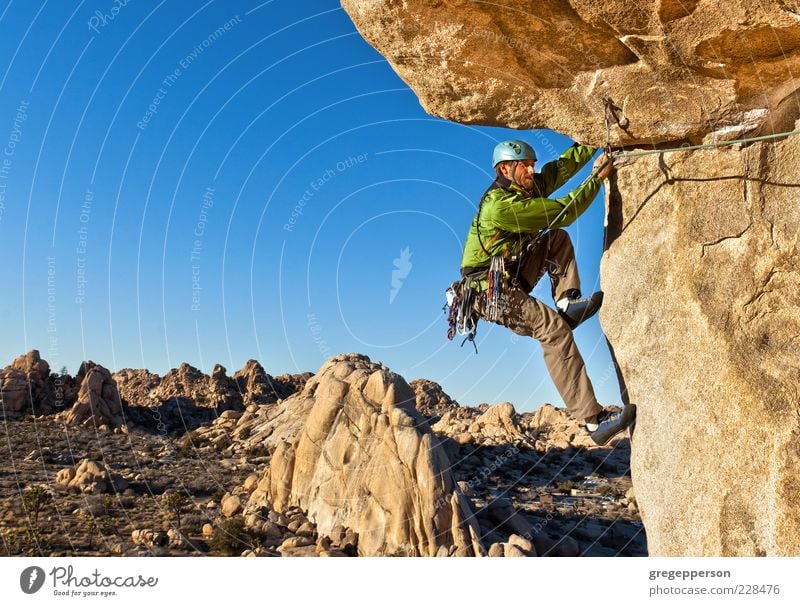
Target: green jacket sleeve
[(554, 174), (517, 214)]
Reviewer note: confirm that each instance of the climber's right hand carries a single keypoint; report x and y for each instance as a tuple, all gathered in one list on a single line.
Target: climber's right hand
[(605, 171)]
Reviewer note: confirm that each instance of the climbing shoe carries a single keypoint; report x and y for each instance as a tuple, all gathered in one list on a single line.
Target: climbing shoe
[(609, 423), (575, 311)]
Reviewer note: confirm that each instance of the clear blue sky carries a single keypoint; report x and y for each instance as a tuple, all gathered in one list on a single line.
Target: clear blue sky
[(212, 182)]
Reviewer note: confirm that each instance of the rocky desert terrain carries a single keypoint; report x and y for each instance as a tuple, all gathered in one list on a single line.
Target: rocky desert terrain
[(350, 461)]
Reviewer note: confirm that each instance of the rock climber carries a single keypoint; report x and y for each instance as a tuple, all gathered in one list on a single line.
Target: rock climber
[(514, 240)]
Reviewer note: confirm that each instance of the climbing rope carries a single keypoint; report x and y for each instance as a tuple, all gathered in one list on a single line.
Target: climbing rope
[(704, 145), (613, 113)]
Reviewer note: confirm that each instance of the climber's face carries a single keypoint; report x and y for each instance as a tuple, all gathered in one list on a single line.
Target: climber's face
[(523, 174)]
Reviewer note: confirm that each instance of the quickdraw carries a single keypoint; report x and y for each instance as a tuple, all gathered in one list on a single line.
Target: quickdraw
[(462, 319), (495, 293)]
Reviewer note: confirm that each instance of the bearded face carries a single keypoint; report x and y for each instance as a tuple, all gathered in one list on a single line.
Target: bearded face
[(523, 174), (520, 172)]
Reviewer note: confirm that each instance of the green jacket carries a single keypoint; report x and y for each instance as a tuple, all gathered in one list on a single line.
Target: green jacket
[(509, 219)]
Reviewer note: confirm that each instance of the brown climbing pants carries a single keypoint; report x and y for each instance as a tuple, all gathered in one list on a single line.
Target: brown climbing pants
[(530, 317)]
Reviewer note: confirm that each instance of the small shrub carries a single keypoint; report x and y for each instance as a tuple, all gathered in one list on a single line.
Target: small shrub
[(565, 487), (33, 542), (175, 502), (93, 529), (258, 450), (229, 537), (108, 504), (34, 499), (605, 491), (187, 450), (193, 523), (10, 542)]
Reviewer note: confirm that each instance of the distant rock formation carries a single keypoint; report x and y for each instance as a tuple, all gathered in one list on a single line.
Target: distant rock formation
[(223, 391), (136, 385), (25, 385), (352, 451), (250, 385), (431, 400), (188, 382), (260, 388), (99, 403), (181, 401)]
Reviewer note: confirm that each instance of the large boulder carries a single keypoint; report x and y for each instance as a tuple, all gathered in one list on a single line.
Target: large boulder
[(351, 451), (90, 476), (25, 384), (677, 70), (13, 390), (99, 403), (702, 307)]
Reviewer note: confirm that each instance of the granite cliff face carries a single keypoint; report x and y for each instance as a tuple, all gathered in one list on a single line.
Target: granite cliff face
[(678, 70), (703, 312), (702, 307)]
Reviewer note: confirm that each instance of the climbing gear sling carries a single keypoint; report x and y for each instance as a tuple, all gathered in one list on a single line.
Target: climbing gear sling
[(462, 319)]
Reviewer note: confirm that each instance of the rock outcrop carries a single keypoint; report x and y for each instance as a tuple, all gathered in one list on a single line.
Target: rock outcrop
[(352, 452), (135, 385), (702, 307), (249, 385), (25, 385), (260, 388), (223, 391), (13, 389), (677, 71), (431, 400), (499, 421), (99, 403), (186, 381), (90, 477)]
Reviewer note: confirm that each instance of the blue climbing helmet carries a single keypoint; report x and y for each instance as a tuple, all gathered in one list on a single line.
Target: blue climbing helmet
[(513, 149)]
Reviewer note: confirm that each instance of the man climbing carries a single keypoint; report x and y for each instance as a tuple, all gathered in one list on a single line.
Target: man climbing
[(515, 239)]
